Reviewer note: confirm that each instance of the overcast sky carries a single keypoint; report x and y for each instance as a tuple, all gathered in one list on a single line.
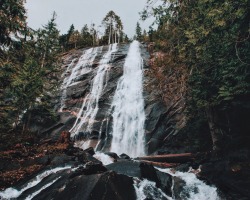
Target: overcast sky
[(80, 12)]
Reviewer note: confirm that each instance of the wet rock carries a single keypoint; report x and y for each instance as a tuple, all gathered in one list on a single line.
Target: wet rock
[(94, 168), (165, 182), (112, 155), (87, 157), (149, 172), (231, 178), (143, 171), (61, 160), (90, 151), (183, 167), (106, 186), (124, 156), (178, 189)]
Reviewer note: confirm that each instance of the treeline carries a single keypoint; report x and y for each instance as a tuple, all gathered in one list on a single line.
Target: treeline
[(29, 61), (210, 39), (94, 35)]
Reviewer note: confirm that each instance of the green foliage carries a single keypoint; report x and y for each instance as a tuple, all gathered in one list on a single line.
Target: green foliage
[(13, 20), (86, 39), (28, 70), (138, 32), (211, 38), (113, 28), (27, 85)]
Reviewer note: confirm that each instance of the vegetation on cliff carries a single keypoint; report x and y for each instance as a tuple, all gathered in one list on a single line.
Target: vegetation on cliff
[(209, 41)]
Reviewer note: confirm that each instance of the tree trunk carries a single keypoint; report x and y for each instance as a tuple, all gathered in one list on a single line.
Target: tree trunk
[(115, 36), (169, 158), (160, 164), (109, 33), (216, 132)]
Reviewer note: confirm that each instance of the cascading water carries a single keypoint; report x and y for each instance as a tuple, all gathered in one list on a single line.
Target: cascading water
[(86, 119), (128, 106), (82, 67), (194, 188), (146, 189), (12, 193)]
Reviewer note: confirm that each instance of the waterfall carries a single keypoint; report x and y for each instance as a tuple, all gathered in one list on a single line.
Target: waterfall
[(82, 67), (128, 106), (85, 119)]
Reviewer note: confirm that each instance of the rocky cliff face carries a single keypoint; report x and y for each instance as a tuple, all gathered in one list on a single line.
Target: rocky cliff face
[(78, 74)]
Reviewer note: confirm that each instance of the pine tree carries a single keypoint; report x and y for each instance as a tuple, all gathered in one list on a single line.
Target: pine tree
[(113, 27), (13, 21), (86, 38), (138, 31), (69, 33)]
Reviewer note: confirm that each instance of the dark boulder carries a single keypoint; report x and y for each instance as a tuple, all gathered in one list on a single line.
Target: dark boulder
[(124, 156), (61, 160), (89, 169), (143, 171), (165, 182), (106, 186), (179, 192), (90, 151), (233, 179), (112, 155)]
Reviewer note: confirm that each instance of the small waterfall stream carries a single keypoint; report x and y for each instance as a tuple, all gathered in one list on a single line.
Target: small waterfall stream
[(85, 118), (81, 67), (128, 107)]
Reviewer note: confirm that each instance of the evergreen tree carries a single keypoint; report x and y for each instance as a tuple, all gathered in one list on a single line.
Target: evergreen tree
[(138, 32), (145, 36), (69, 33), (85, 39), (93, 33), (113, 27), (74, 39), (13, 20), (31, 73)]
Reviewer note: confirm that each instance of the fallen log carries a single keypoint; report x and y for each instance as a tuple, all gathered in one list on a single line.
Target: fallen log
[(160, 164), (169, 158)]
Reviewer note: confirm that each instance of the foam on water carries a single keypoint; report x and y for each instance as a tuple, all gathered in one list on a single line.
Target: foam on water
[(146, 189), (14, 193), (105, 159), (195, 188), (41, 189)]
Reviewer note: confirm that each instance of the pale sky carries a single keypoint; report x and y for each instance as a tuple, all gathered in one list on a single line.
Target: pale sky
[(80, 12)]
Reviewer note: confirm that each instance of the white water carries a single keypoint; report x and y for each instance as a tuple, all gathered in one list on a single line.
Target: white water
[(195, 188), (86, 119), (14, 193), (146, 189), (82, 67), (105, 159), (128, 107), (44, 187)]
